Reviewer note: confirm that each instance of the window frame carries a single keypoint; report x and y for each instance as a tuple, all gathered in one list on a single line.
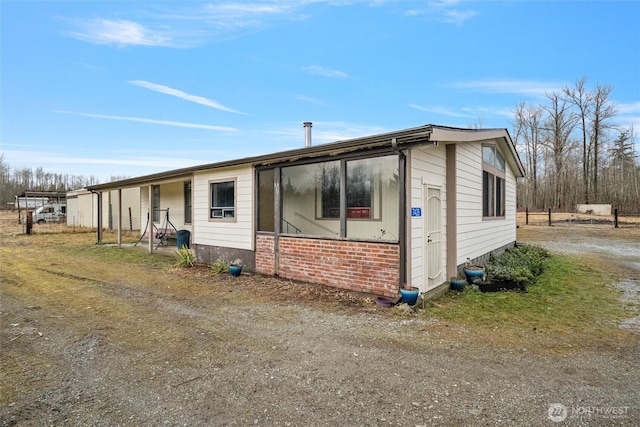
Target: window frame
[(377, 204), (155, 203), (222, 218), (372, 212), (188, 202), (494, 181)]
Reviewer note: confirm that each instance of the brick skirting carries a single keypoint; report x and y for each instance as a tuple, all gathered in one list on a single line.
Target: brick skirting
[(358, 266)]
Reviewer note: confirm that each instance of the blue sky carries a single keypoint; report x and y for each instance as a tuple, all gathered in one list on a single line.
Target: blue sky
[(102, 88)]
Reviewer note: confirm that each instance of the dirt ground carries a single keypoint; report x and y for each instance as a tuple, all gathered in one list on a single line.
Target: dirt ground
[(89, 337)]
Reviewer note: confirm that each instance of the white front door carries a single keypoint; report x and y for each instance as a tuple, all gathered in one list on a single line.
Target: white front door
[(433, 238)]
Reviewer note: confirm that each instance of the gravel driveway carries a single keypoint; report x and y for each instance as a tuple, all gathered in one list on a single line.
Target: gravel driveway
[(181, 354)]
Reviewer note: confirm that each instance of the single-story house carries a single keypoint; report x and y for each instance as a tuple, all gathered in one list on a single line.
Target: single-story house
[(370, 214), (82, 208)]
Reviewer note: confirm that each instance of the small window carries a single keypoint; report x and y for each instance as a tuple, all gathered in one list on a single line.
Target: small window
[(223, 198), (488, 154), (187, 202), (499, 162)]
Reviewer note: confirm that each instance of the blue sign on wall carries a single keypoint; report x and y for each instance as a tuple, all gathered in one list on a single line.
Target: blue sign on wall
[(416, 212)]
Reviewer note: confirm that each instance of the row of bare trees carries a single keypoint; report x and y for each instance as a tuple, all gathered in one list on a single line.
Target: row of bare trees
[(14, 181), (574, 152)]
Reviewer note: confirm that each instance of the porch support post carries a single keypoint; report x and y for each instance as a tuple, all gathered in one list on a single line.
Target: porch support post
[(150, 218), (119, 217), (277, 217), (402, 214), (99, 212), (343, 199)]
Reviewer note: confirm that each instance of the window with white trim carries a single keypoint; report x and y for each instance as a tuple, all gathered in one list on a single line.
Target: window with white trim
[(223, 200), (493, 182)]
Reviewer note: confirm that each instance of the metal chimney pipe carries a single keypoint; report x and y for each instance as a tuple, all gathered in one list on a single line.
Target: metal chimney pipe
[(307, 134)]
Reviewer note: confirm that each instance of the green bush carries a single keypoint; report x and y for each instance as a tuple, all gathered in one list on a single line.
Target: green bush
[(521, 264)]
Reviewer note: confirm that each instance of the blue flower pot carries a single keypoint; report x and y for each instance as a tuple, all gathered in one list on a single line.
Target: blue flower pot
[(457, 283), (409, 296), (473, 273), (235, 270)]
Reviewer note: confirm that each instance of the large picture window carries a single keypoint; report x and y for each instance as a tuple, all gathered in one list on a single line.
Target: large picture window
[(493, 182), (312, 198), (223, 197)]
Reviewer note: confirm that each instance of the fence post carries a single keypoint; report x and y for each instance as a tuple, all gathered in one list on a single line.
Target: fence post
[(549, 217), (615, 218), (526, 215), (29, 222)]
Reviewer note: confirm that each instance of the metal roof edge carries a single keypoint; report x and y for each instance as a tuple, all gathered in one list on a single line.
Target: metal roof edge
[(337, 147)]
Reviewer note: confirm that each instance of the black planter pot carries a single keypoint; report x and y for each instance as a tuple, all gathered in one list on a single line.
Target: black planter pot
[(498, 285)]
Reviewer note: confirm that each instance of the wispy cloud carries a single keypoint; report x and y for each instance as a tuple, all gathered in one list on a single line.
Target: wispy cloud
[(120, 33), (325, 132), (183, 26), (182, 95), (326, 72), (520, 87), (629, 116), (151, 121), (192, 24), (445, 11), (458, 17), (628, 108), (440, 110), (31, 157), (310, 100)]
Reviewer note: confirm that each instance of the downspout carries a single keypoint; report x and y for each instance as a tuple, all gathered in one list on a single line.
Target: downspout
[(402, 207)]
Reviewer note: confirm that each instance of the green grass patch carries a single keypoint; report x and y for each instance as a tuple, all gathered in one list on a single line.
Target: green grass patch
[(571, 304)]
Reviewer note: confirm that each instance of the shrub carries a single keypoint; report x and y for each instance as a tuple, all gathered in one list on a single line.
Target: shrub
[(220, 266), (521, 265), (186, 257)]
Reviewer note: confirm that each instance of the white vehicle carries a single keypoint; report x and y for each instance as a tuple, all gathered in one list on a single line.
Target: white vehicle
[(51, 212)]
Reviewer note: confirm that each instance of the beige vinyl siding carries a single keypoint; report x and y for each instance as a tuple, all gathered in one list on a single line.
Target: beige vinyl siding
[(130, 199), (236, 234), (172, 198), (427, 168), (82, 209), (476, 236)]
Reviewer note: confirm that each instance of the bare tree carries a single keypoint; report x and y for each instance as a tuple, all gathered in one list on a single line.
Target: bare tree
[(558, 128), (528, 125), (602, 111), (581, 99)]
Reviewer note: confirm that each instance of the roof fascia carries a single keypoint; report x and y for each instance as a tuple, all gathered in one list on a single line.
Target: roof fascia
[(455, 135), (392, 139)]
